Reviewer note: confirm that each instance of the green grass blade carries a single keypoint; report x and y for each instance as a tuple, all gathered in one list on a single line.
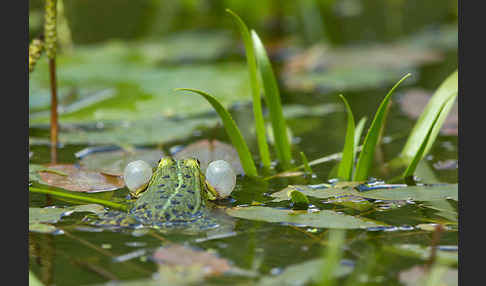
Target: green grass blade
[(332, 256), (345, 169), (255, 88), (366, 156), (272, 99), (233, 132), (79, 197), (422, 150), (357, 133), (305, 162), (419, 131)]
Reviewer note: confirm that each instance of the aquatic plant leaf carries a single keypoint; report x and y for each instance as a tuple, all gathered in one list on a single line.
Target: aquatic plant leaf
[(299, 200), (418, 275), (415, 193), (417, 136), (33, 280), (178, 48), (426, 140), (113, 162), (34, 172), (273, 102), (322, 218), (340, 79), (142, 90), (444, 208), (413, 102), (255, 88), (232, 131), (141, 132), (39, 218), (179, 256), (345, 169), (208, 151), (444, 257), (302, 274), (367, 153), (315, 191), (79, 180)]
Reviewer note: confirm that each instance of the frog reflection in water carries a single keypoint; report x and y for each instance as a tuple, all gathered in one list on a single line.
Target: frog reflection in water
[(176, 197)]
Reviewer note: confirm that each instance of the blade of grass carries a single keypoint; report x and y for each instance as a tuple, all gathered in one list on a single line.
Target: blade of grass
[(366, 156), (233, 132), (79, 197), (434, 106), (358, 131), (332, 257), (421, 151), (272, 99), (345, 169), (255, 88), (305, 163)]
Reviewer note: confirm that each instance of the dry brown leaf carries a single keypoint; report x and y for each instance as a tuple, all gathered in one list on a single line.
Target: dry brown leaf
[(72, 178), (178, 256)]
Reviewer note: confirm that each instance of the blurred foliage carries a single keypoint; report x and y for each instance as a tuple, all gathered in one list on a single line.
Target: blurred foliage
[(339, 22)]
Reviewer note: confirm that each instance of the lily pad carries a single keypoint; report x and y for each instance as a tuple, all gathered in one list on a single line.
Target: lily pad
[(322, 218), (141, 132), (114, 162), (142, 90), (415, 193), (72, 178), (315, 191), (208, 151), (302, 274), (39, 218)]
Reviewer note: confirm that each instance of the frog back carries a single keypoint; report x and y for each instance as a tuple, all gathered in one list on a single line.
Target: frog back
[(174, 194)]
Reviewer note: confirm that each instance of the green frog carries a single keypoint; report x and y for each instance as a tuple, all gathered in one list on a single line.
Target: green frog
[(176, 197)]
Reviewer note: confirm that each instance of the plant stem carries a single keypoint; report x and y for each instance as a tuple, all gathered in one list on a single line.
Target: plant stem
[(54, 123), (80, 198)]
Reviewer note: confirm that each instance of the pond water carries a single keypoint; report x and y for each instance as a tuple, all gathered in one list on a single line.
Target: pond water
[(259, 252)]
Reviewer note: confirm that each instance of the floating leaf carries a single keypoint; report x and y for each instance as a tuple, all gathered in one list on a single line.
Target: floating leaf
[(79, 180), (415, 193), (114, 162), (302, 274), (208, 151), (142, 90), (40, 217), (316, 191), (322, 218)]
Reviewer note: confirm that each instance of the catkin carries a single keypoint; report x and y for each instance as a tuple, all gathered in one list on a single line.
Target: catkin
[(50, 28), (35, 50)]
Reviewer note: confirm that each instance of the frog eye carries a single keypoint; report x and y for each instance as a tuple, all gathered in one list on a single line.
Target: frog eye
[(137, 174), (221, 177)]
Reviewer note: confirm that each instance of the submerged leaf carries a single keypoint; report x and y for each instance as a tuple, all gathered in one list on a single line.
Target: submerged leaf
[(208, 151), (79, 180), (322, 218), (302, 274), (40, 217), (182, 257), (114, 162)]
